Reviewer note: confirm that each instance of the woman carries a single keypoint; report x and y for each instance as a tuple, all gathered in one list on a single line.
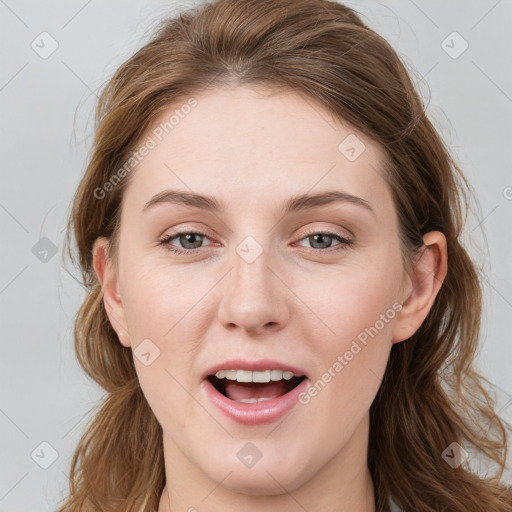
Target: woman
[(281, 312)]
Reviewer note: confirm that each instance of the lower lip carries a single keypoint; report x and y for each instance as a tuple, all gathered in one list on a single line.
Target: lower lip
[(258, 413)]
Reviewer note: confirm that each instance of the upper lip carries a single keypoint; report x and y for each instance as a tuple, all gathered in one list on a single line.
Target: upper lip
[(259, 365)]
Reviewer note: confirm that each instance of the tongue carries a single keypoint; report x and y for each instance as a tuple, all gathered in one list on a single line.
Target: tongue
[(237, 390)]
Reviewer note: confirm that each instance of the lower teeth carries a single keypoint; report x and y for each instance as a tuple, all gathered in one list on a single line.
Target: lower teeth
[(252, 400)]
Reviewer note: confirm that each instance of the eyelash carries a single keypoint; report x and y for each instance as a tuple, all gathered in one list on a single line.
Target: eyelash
[(165, 241)]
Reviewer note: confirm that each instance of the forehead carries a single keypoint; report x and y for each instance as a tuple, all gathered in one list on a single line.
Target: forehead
[(241, 142)]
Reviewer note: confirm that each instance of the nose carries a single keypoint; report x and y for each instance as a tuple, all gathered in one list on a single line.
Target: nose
[(254, 297)]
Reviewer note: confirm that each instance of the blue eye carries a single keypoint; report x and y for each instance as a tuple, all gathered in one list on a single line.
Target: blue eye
[(194, 239)]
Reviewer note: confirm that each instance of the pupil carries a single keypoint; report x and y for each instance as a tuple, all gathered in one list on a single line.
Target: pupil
[(187, 237), (326, 244)]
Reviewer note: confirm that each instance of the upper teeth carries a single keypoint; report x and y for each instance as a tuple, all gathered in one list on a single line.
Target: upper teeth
[(248, 376)]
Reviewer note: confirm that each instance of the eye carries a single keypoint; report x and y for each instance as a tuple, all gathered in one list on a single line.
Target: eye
[(189, 240), (323, 240)]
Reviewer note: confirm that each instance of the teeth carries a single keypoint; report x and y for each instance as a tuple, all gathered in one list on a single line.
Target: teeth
[(252, 400), (261, 376), (243, 376), (276, 375), (248, 376), (230, 374)]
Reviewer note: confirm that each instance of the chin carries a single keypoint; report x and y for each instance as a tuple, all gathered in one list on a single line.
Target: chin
[(260, 483), (268, 476)]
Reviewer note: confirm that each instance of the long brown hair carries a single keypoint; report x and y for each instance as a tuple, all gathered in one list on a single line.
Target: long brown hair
[(431, 396)]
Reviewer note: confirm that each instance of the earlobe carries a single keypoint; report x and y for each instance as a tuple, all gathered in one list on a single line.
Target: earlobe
[(425, 281), (109, 283)]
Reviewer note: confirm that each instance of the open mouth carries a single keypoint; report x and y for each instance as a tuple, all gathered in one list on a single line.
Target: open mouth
[(252, 392)]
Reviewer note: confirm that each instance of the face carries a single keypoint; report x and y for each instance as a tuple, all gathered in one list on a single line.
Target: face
[(313, 287)]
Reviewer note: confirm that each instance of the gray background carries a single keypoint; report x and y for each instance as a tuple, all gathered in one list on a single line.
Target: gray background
[(46, 127)]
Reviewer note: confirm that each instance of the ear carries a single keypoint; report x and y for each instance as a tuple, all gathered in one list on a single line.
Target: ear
[(423, 284), (108, 279)]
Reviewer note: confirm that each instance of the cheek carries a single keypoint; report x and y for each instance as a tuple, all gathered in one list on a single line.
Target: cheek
[(359, 304), (159, 302), (156, 296), (355, 296)]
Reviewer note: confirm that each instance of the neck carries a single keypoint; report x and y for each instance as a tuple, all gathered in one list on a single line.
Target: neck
[(343, 484)]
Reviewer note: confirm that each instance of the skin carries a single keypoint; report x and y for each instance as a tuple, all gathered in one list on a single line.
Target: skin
[(298, 302)]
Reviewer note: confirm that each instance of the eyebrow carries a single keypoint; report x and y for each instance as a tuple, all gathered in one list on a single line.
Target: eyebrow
[(293, 204)]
